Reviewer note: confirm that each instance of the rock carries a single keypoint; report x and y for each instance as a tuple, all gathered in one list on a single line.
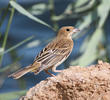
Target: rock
[(74, 83)]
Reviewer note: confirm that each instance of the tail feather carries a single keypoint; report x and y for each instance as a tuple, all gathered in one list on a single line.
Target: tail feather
[(21, 72)]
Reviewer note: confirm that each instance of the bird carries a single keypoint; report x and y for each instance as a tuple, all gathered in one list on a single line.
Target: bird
[(54, 53)]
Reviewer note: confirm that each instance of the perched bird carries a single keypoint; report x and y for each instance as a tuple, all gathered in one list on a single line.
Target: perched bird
[(52, 55)]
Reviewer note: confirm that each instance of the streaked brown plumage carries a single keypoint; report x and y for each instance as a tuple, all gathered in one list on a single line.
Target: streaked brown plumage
[(52, 55)]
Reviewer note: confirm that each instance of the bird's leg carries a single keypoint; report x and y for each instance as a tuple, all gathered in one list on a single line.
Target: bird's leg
[(53, 78), (54, 69), (48, 73)]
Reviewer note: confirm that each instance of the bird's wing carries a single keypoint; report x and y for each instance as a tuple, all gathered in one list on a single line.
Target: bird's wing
[(53, 54)]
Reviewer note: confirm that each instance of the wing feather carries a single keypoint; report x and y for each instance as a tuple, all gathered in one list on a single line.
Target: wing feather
[(52, 54)]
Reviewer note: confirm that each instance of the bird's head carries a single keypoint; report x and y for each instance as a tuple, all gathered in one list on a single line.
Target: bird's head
[(67, 31)]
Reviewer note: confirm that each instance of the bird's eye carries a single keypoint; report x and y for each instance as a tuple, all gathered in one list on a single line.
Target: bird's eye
[(67, 29)]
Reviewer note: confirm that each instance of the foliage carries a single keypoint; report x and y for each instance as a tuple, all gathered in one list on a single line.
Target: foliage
[(12, 95), (91, 16), (26, 13), (91, 50)]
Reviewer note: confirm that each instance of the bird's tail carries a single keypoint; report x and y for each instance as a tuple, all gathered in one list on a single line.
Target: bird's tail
[(22, 72)]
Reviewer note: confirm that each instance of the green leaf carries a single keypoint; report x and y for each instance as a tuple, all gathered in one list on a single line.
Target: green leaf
[(17, 45), (85, 44), (91, 45), (6, 33), (79, 3), (84, 25), (4, 15), (12, 95), (21, 10), (90, 54), (85, 6), (86, 22), (1, 50), (14, 66), (103, 11), (33, 44), (38, 9)]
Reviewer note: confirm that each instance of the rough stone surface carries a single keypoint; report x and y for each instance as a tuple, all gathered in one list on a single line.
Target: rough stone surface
[(74, 83)]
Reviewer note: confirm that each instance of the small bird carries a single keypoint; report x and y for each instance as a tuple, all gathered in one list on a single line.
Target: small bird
[(52, 55)]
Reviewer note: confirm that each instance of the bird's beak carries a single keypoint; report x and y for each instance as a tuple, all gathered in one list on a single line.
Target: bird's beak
[(76, 30)]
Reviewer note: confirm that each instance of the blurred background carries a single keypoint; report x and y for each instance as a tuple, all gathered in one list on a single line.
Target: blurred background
[(26, 26)]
